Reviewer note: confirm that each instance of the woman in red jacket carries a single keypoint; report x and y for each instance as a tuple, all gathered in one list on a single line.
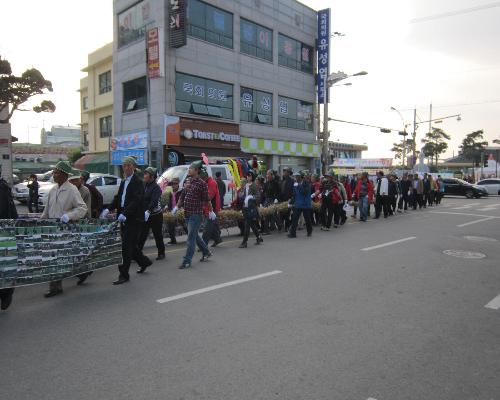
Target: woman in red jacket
[(364, 195)]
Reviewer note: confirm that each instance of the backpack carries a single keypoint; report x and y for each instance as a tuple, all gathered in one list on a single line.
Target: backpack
[(336, 196)]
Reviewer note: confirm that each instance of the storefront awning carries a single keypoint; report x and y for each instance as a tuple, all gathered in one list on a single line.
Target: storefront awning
[(278, 147), (94, 162)]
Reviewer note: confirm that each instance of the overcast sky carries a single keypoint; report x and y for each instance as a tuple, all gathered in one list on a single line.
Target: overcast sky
[(415, 51)]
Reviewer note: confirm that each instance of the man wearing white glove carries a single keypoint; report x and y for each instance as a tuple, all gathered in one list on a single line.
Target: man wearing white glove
[(129, 207), (211, 229), (64, 203)]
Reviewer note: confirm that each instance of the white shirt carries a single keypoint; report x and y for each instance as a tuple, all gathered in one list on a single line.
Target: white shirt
[(125, 185), (384, 187)]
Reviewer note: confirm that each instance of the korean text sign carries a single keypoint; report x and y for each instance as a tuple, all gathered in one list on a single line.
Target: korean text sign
[(323, 54)]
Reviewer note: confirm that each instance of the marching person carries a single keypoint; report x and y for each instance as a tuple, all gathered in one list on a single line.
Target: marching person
[(33, 187), (222, 188), (271, 196), (286, 193), (248, 200), (128, 204), (83, 190), (153, 216), (65, 203), (193, 199), (211, 228), (172, 203), (382, 196), (7, 211), (418, 192), (301, 204), (427, 190), (96, 199), (405, 188), (363, 194), (326, 202)]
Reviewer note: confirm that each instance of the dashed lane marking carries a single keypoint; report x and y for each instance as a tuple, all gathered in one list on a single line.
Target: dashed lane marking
[(466, 214), (475, 222), (388, 243), (494, 304), (216, 287)]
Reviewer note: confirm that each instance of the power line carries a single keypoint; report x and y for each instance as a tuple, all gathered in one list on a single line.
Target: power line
[(494, 101), (454, 13)]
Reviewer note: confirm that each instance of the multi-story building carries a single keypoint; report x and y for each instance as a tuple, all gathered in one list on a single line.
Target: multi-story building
[(60, 134), (345, 150), (242, 84)]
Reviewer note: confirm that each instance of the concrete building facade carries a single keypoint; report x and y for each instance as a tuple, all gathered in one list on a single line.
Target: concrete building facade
[(96, 100), (5, 148), (60, 134), (243, 84)]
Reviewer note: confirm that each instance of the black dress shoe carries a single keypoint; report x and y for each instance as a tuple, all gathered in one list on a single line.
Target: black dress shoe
[(184, 265), (52, 293), (243, 245), (291, 236), (82, 278), (215, 244), (206, 256), (6, 300), (259, 240), (144, 267), (173, 242), (120, 280), (160, 257)]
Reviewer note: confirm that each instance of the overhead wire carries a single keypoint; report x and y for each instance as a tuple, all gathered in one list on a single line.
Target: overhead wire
[(455, 13)]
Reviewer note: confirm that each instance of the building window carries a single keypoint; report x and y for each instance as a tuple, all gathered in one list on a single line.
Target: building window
[(195, 95), (256, 40), (210, 23), (135, 95), (295, 114), (295, 54), (105, 126), (256, 106), (85, 103), (105, 82), (132, 23)]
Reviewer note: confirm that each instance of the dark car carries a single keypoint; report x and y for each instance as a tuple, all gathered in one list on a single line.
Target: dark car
[(458, 187)]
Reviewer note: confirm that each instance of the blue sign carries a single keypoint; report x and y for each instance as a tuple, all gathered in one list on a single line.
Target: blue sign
[(140, 155), (323, 54)]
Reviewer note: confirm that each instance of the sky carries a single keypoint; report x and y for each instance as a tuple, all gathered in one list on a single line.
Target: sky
[(416, 52)]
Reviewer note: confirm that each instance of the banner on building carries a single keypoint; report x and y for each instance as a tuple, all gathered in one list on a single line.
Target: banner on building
[(323, 54), (141, 156), (177, 29), (361, 163), (130, 141), (38, 251), (155, 53), (172, 128)]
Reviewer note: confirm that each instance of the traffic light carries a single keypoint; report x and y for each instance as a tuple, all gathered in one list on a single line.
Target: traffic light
[(385, 130)]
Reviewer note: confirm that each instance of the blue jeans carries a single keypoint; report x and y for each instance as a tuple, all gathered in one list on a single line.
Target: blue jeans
[(193, 224), (363, 208)]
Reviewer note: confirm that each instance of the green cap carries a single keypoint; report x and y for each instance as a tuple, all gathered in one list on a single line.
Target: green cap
[(196, 165), (203, 172), (151, 171), (85, 175), (129, 160), (64, 166)]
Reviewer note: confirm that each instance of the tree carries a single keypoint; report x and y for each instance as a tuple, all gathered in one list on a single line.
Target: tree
[(74, 155), (402, 147), (473, 146), (17, 90), (435, 144)]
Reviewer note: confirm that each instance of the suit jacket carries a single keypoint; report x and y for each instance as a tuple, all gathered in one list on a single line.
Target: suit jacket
[(133, 207)]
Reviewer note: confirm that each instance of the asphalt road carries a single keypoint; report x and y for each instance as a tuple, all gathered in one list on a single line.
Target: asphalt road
[(343, 319)]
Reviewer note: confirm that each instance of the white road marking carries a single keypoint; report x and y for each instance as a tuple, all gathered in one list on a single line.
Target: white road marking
[(215, 287), (475, 222), (486, 209), (388, 243), (466, 206), (494, 304), (466, 214), (371, 398)]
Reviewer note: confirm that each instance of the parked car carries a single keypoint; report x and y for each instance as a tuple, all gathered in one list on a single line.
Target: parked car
[(492, 185), (458, 187), (180, 172)]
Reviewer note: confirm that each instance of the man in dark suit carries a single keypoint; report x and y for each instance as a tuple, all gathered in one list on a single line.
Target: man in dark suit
[(129, 208)]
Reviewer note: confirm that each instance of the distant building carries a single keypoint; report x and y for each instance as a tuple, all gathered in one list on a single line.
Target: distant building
[(62, 135), (345, 150)]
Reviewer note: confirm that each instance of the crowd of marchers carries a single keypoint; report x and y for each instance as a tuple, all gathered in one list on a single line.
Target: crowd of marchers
[(305, 200)]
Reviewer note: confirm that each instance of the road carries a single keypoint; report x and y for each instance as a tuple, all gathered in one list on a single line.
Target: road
[(370, 311)]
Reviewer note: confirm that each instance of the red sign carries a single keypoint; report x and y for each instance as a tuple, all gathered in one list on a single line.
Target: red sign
[(153, 46)]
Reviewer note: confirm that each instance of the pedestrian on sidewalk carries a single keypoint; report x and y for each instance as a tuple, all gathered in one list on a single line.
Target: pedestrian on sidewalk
[(33, 187)]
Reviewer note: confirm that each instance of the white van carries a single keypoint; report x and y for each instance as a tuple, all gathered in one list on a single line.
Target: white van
[(181, 171)]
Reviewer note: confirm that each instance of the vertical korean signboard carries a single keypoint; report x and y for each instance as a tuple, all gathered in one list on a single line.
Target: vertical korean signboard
[(177, 23), (323, 54), (154, 43)]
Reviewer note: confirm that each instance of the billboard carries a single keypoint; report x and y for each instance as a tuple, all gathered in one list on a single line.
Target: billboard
[(155, 53), (130, 141), (323, 54)]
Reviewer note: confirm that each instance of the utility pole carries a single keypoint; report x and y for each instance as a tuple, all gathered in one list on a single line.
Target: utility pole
[(414, 160), (325, 154)]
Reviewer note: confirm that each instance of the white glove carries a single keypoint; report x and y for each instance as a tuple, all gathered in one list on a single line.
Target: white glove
[(104, 214), (65, 219), (212, 216), (313, 195), (327, 192), (296, 184), (122, 218), (174, 210), (146, 215), (290, 205), (275, 201), (247, 199)]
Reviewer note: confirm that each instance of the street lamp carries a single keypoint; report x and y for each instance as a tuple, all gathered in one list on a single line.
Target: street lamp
[(329, 82), (404, 134)]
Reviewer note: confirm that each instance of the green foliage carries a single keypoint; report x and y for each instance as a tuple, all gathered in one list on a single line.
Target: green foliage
[(398, 148), (74, 155), (473, 146), (16, 90), (435, 144)]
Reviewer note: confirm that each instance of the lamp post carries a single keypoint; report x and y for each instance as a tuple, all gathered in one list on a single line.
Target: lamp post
[(404, 135), (329, 82)]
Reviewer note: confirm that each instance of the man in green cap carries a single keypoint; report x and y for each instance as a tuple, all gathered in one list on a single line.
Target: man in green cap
[(128, 204), (96, 199), (153, 216), (65, 203), (193, 198)]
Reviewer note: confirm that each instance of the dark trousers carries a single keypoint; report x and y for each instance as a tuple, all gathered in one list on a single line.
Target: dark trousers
[(432, 197), (381, 204), (393, 201), (403, 199), (154, 223), (337, 213), (295, 220), (417, 200), (250, 223), (130, 231), (327, 213), (426, 199), (33, 202), (6, 293), (211, 230)]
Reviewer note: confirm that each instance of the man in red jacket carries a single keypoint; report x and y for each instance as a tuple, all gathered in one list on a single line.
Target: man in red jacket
[(364, 195), (211, 229)]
